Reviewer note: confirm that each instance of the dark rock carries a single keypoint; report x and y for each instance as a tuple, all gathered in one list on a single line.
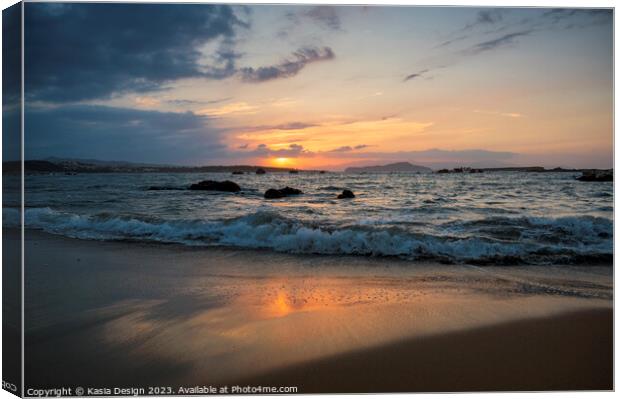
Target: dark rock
[(346, 194), (293, 171), (443, 171), (290, 191), (322, 172), (597, 175), (211, 185), (237, 172), (273, 193), (260, 171)]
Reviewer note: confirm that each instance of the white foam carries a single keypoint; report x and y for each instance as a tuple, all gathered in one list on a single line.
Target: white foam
[(268, 229)]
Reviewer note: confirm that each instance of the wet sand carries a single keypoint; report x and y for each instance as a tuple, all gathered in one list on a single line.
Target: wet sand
[(105, 314), (570, 351)]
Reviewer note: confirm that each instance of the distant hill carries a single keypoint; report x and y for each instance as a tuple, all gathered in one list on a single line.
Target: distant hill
[(393, 167), (64, 165)]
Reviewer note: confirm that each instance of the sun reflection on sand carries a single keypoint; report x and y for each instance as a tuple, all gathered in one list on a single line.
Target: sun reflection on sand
[(281, 306)]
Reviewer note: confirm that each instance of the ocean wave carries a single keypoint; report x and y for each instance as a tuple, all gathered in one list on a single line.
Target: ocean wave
[(497, 240)]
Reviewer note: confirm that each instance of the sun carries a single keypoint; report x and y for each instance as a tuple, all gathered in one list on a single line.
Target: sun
[(282, 161)]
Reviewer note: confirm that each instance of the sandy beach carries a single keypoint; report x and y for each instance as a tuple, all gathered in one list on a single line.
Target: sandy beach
[(118, 314)]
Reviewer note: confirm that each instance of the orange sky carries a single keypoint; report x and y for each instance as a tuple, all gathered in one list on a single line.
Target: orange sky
[(329, 87)]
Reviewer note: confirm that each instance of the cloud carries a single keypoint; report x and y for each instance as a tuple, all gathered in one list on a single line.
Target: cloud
[(281, 126), (289, 67), (415, 75), (292, 151), (89, 51), (148, 102), (453, 58), (449, 42), (93, 131), (233, 108), (506, 114), (574, 15), (348, 148), (326, 16), (183, 102), (491, 16), (292, 126), (497, 42), (537, 20), (12, 51)]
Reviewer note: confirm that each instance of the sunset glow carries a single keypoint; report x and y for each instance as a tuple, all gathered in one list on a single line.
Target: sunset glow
[(282, 161), (331, 87)]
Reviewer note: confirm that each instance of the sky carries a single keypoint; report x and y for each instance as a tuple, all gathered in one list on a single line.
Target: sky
[(319, 87)]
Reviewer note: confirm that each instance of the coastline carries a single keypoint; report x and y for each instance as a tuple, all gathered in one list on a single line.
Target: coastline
[(147, 314)]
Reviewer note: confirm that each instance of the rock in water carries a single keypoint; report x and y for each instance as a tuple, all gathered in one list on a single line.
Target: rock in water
[(597, 175), (260, 171), (273, 193), (290, 191), (212, 185), (346, 194)]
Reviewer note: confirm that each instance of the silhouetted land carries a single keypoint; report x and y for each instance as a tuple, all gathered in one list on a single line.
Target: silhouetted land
[(58, 165), (42, 166)]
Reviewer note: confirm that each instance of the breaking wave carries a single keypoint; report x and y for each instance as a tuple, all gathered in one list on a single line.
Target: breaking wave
[(496, 240)]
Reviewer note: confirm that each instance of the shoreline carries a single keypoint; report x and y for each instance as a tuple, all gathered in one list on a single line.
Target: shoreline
[(126, 314)]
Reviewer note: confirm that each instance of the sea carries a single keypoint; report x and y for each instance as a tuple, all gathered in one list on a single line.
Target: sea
[(491, 218)]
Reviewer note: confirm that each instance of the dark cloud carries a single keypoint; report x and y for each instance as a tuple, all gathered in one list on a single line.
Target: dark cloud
[(564, 18), (345, 148), (12, 55), (293, 126), (326, 16), (289, 67), (490, 16), (497, 20), (497, 42), (292, 151), (415, 75), (11, 83), (484, 17), (297, 150), (560, 14), (86, 51), (348, 148), (89, 131), (449, 42), (181, 102)]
